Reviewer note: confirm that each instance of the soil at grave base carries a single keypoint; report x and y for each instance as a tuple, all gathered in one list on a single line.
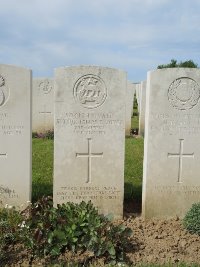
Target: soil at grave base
[(153, 241)]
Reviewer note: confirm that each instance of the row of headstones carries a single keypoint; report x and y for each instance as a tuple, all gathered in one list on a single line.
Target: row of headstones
[(89, 126), (43, 105)]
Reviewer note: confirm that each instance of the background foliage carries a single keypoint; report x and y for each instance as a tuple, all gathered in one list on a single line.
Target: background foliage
[(181, 64)]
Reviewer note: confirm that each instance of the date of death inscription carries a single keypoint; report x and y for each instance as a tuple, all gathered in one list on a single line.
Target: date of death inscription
[(86, 193)]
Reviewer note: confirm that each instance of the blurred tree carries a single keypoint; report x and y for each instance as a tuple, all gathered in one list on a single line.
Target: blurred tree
[(174, 64)]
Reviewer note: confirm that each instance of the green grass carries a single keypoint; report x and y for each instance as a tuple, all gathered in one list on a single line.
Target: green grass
[(135, 122), (42, 170), (133, 167)]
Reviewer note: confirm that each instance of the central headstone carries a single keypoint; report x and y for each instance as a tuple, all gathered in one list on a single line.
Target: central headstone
[(89, 137)]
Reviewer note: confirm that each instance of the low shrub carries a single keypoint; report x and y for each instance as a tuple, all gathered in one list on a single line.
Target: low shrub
[(34, 135), (48, 134), (191, 220), (10, 219), (75, 227)]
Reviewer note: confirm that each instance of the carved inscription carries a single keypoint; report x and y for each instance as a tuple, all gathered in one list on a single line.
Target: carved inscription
[(11, 129), (3, 155), (180, 156), (89, 155), (45, 87), (86, 193), (4, 91), (89, 123), (45, 111), (187, 190), (178, 123), (184, 93), (6, 194), (90, 91)]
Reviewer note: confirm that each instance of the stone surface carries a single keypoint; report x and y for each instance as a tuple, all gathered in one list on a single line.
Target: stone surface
[(138, 95), (142, 109), (129, 106), (89, 137), (43, 105), (15, 135), (171, 182)]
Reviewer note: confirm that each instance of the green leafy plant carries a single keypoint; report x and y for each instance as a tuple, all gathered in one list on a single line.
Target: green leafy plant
[(34, 134), (191, 220), (75, 227), (10, 219), (48, 135)]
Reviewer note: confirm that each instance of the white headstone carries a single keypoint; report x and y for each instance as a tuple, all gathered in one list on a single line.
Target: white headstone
[(171, 182), (138, 94), (43, 105), (142, 108), (89, 137), (15, 135), (129, 106)]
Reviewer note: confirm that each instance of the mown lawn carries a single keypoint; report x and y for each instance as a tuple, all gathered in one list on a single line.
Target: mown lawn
[(42, 168), (133, 167)]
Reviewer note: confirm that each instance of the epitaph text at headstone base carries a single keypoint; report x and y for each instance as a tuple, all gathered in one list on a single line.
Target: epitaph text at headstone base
[(89, 137), (15, 136), (129, 106), (171, 181), (43, 105), (142, 109)]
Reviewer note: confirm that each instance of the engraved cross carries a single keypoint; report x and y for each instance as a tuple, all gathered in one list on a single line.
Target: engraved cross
[(89, 155), (45, 111), (180, 156), (3, 155)]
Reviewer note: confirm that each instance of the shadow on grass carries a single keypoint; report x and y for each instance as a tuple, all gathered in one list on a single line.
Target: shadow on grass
[(132, 198), (41, 189)]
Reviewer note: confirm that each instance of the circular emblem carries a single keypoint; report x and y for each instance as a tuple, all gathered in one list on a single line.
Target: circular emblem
[(4, 91), (90, 91), (45, 86), (184, 93)]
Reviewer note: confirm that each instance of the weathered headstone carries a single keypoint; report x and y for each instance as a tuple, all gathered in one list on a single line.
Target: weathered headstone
[(142, 108), (171, 182), (129, 106), (43, 105), (89, 137), (15, 136)]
